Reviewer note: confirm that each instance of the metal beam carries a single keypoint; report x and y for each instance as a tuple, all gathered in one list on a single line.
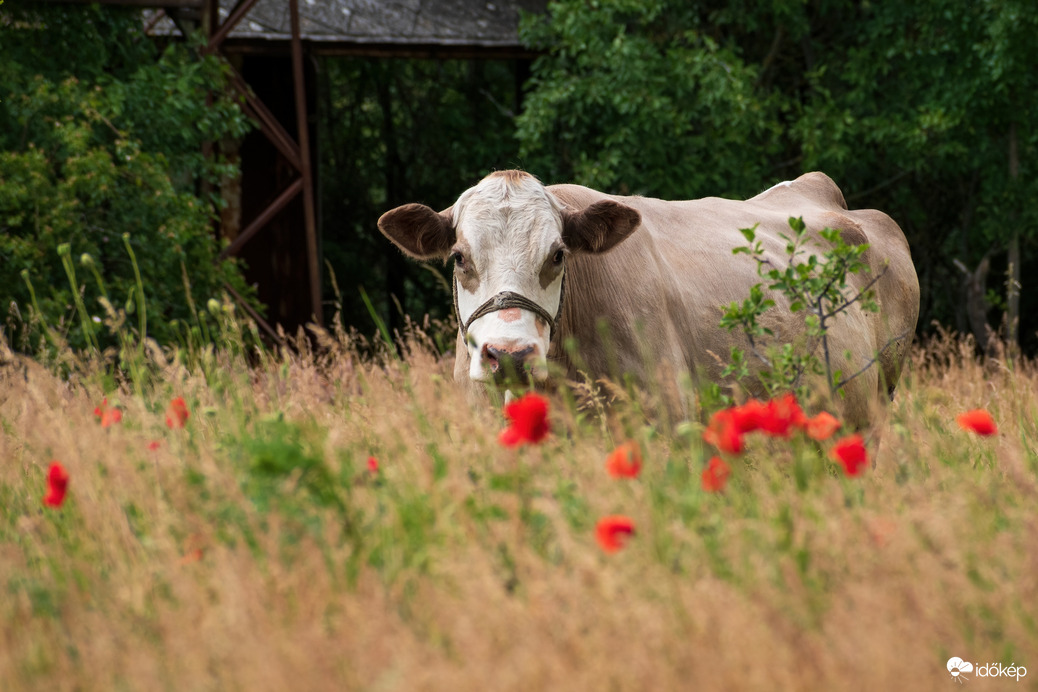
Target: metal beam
[(425, 51), (237, 14), (296, 152), (254, 315), (269, 124), (310, 223), (155, 19), (260, 221), (194, 4)]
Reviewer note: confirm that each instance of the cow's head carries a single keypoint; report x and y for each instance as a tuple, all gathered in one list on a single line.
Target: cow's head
[(509, 238)]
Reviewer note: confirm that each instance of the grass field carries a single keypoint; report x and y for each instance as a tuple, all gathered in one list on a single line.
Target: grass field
[(254, 549)]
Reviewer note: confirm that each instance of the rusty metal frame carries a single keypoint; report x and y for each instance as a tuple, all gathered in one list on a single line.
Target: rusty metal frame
[(236, 15), (295, 151), (309, 204), (275, 133), (257, 224)]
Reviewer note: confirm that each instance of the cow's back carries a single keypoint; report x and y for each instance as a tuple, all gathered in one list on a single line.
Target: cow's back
[(662, 290)]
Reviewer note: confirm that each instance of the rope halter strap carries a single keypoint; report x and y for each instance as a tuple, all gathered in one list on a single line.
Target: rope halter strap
[(510, 299)]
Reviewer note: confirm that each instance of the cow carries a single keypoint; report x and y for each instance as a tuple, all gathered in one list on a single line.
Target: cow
[(538, 268)]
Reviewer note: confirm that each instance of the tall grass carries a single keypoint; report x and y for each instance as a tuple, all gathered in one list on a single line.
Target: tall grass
[(254, 549)]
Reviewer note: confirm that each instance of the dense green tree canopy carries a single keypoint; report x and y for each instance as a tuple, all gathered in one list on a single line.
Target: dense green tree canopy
[(912, 108), (101, 135), (637, 97), (925, 110)]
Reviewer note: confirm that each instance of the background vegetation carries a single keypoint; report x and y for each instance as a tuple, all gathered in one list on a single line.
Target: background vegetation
[(399, 131), (101, 135), (920, 109)]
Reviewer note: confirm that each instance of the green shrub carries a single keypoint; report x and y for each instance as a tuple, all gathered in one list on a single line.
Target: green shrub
[(100, 144), (817, 288)]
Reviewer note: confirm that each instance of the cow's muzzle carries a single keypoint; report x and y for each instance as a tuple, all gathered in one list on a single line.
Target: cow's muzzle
[(506, 365)]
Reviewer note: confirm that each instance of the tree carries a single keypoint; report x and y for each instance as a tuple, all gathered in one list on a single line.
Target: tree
[(920, 109), (922, 105), (100, 136), (639, 97)]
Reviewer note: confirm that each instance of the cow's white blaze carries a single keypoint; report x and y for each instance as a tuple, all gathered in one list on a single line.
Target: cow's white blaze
[(507, 228)]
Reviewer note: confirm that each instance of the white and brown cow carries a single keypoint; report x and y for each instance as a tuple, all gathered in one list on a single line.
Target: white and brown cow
[(535, 266)]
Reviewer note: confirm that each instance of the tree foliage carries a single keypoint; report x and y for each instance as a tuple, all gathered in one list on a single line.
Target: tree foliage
[(923, 110), (911, 107), (638, 97), (100, 136)]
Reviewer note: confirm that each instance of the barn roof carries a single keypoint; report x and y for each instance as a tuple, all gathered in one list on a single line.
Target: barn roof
[(474, 23)]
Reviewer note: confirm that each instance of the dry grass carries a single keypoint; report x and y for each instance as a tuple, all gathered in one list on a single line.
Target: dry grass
[(467, 566)]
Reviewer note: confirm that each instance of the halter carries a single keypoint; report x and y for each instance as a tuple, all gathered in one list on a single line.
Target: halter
[(510, 299)]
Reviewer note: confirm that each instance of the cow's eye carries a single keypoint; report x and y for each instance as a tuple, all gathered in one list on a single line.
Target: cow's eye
[(558, 257), (459, 260)]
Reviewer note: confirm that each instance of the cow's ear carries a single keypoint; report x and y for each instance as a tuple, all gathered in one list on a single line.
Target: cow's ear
[(419, 231), (599, 227)]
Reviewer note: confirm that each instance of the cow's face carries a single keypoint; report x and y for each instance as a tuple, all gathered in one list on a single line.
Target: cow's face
[(509, 238)]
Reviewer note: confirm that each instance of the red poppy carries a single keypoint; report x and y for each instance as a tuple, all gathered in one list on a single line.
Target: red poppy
[(177, 413), (108, 416), (978, 421), (191, 556), (822, 426), (57, 485), (625, 461), (850, 451), (750, 415), (194, 549), (781, 415), (528, 416), (715, 475), (153, 445), (372, 464), (613, 531), (723, 432)]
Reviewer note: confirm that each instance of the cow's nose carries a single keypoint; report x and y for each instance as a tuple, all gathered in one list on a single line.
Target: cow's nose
[(506, 363)]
